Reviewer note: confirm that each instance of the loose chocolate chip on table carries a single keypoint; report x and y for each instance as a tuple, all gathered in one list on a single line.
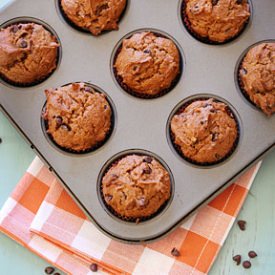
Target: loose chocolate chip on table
[(148, 159), (147, 170), (93, 267), (237, 259), (56, 273), (49, 270), (14, 29), (242, 224), (1, 140), (246, 264), (23, 44), (175, 252), (252, 254)]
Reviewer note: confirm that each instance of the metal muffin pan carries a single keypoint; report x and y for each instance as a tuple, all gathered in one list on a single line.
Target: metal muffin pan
[(141, 123)]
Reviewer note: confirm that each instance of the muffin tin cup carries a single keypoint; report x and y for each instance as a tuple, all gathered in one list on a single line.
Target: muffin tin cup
[(186, 23), (180, 108), (44, 126), (24, 19), (84, 30), (113, 161), (118, 79), (238, 79)]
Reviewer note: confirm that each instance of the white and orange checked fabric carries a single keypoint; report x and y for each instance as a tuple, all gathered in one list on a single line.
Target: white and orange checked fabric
[(41, 216)]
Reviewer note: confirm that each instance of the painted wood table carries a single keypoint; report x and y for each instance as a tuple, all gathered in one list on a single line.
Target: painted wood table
[(258, 211)]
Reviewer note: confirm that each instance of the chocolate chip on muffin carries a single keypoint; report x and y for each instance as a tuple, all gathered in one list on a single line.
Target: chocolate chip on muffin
[(77, 120), (139, 189), (95, 16), (29, 53), (205, 131), (257, 76), (147, 64), (215, 21)]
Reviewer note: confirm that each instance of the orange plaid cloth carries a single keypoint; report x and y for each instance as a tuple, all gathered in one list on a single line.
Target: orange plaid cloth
[(41, 216)]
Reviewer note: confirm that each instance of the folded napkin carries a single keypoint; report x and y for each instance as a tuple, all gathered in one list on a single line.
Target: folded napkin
[(41, 216)]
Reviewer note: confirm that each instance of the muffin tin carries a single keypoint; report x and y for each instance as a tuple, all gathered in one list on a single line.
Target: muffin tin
[(142, 124)]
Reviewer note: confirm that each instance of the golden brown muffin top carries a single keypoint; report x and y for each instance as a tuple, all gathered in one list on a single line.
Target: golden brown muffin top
[(205, 131), (217, 20), (147, 63), (136, 186), (257, 75), (94, 15), (78, 117), (28, 52)]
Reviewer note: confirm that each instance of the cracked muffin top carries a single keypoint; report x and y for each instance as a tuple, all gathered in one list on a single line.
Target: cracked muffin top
[(147, 64), (94, 15), (136, 186), (78, 118), (205, 131), (217, 20), (257, 75), (28, 53)]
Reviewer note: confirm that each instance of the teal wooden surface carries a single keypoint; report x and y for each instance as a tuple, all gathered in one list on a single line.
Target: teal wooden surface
[(258, 211)]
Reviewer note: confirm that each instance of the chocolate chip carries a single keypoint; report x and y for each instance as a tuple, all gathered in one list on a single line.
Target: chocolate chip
[(175, 252), (1, 140), (147, 51), (58, 121), (217, 156), (108, 197), (87, 89), (242, 224), (23, 44), (214, 136), (237, 259), (65, 127), (99, 9), (239, 2), (147, 170), (14, 29), (56, 273), (246, 264), (243, 71), (114, 176), (49, 270), (93, 267), (105, 107), (215, 2), (148, 159), (252, 254), (135, 68)]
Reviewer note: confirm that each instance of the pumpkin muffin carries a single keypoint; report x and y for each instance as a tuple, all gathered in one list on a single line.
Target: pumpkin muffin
[(94, 16), (28, 53), (216, 21), (147, 64), (257, 76), (136, 187), (77, 117), (205, 131)]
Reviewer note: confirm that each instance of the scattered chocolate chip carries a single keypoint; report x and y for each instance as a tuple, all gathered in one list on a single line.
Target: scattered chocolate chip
[(147, 51), (237, 259), (49, 270), (246, 264), (215, 2), (23, 44), (147, 170), (56, 273), (93, 267), (14, 29), (242, 224), (239, 2), (59, 121), (252, 254), (65, 127), (175, 252), (148, 159), (1, 140), (108, 197)]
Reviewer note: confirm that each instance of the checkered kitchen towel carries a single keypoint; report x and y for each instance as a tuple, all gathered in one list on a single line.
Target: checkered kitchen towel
[(42, 217)]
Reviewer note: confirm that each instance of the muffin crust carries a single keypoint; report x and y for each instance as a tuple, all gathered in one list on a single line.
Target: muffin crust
[(78, 117), (217, 20), (205, 131), (136, 186), (257, 75), (148, 64), (94, 15), (28, 53)]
